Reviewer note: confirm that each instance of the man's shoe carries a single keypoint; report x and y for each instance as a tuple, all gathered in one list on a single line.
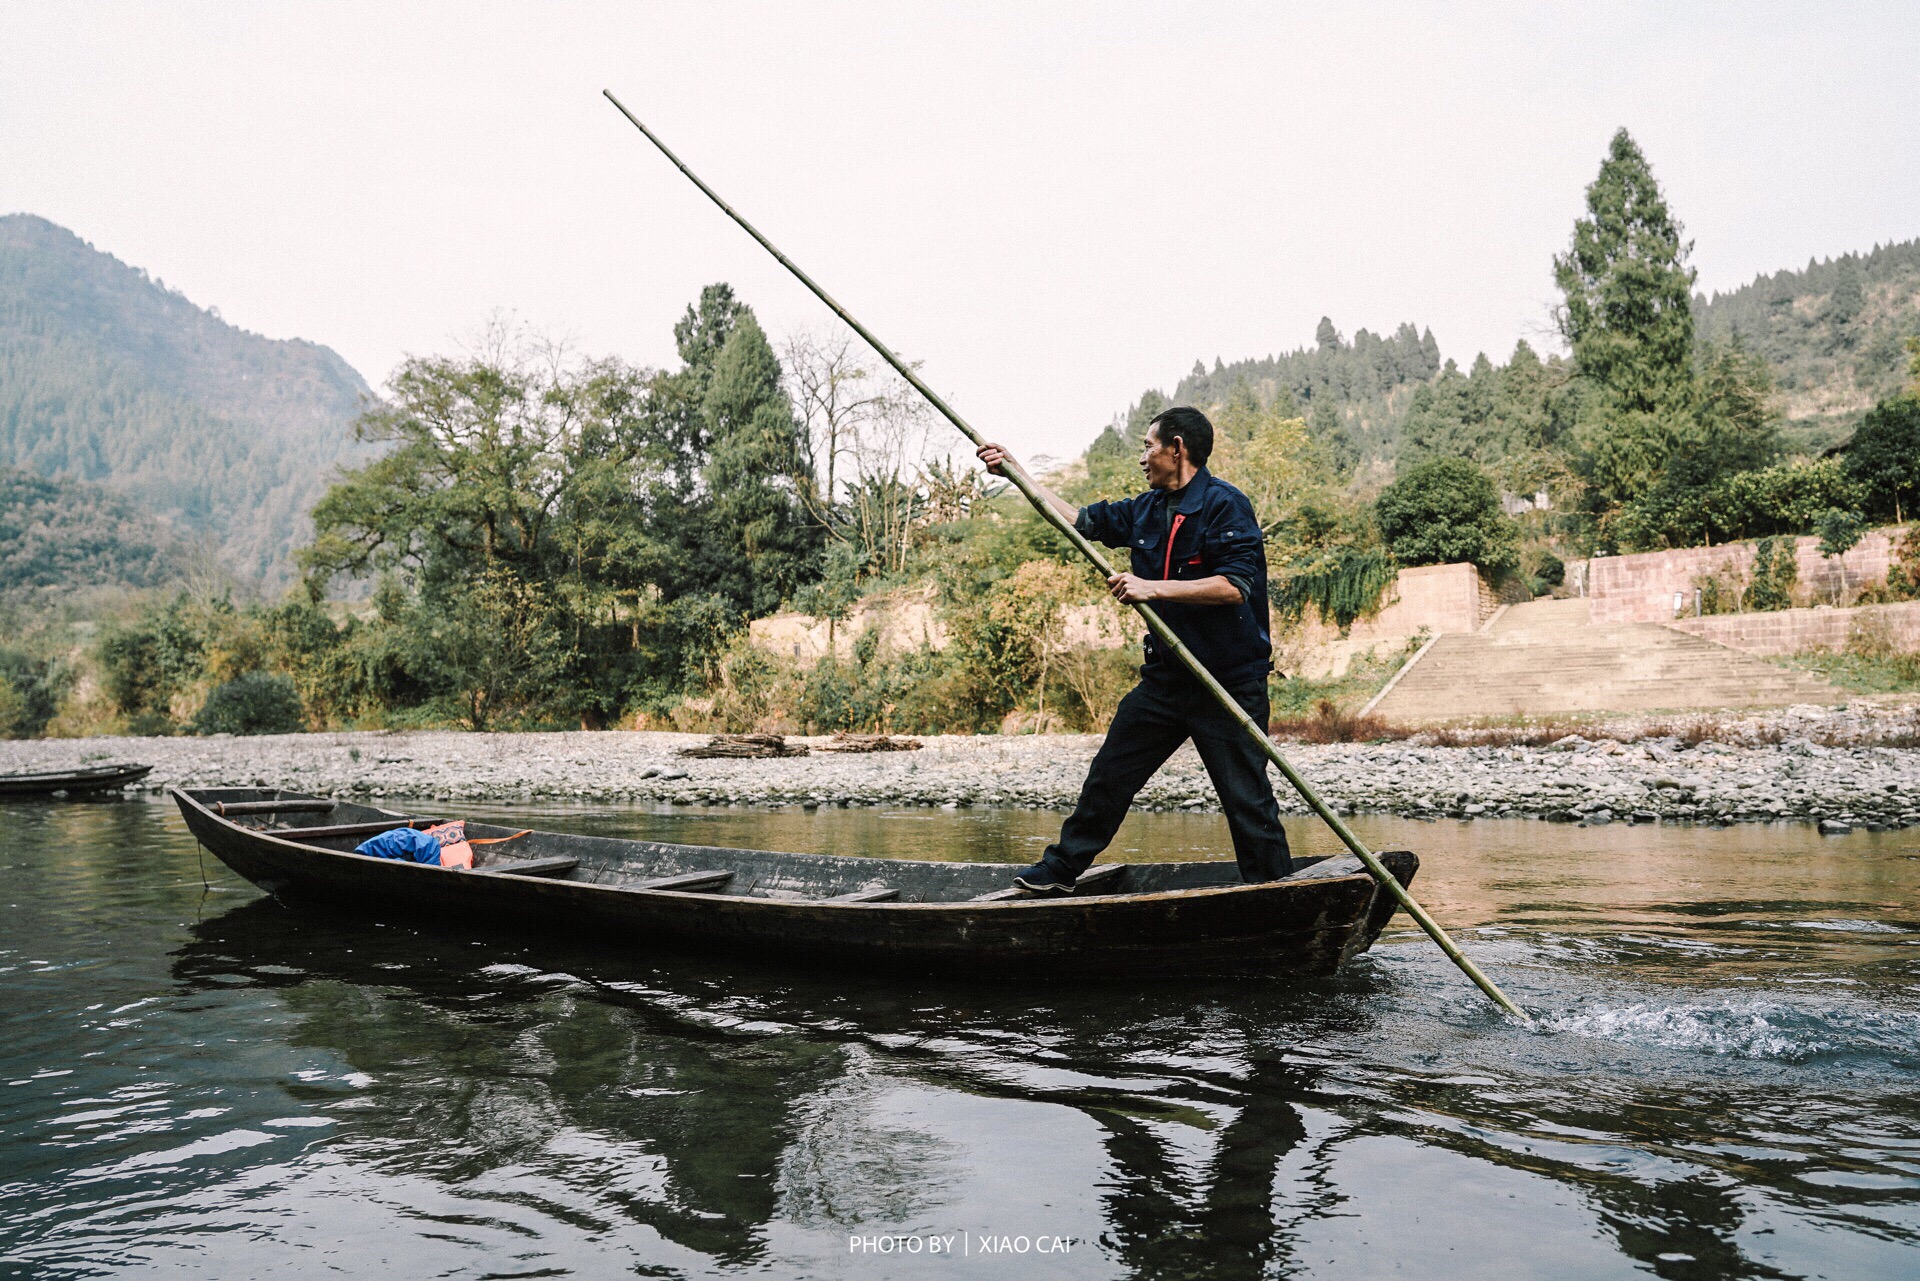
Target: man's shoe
[(1042, 878)]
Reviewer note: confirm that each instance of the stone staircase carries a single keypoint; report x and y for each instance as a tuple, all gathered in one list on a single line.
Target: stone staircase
[(1547, 657)]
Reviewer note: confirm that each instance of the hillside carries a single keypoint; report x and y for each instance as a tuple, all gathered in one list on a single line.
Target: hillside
[(1834, 332), (109, 377), (1361, 387), (62, 533)]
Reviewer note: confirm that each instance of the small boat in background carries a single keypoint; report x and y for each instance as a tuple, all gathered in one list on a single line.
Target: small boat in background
[(73, 782), (1184, 918)]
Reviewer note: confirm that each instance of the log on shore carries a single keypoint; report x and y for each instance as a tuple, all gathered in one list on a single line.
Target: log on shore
[(746, 745), (844, 742)]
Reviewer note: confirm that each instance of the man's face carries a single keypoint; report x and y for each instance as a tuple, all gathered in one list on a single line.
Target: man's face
[(1161, 463)]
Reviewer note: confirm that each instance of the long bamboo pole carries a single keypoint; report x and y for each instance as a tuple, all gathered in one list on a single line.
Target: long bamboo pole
[(1024, 483)]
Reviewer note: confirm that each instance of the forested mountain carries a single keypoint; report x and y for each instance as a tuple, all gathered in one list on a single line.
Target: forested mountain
[(1834, 333), (109, 377), (1352, 393), (1671, 420), (62, 533)]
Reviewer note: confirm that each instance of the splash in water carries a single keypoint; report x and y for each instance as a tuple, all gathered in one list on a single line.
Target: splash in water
[(1747, 1028)]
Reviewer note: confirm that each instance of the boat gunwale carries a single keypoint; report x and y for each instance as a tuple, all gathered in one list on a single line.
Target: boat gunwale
[(1298, 881), (126, 768)]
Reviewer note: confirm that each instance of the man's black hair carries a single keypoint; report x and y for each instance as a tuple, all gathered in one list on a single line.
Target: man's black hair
[(1190, 427)]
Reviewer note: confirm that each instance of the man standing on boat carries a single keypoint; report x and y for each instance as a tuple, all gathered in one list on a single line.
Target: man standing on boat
[(1200, 560)]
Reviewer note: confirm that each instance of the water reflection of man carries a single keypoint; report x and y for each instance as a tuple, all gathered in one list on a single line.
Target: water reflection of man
[(1199, 558), (1168, 1219)]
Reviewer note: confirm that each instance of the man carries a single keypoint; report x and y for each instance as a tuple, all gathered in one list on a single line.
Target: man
[(1200, 561)]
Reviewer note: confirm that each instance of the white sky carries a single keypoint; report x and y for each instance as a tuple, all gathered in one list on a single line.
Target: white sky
[(1052, 206)]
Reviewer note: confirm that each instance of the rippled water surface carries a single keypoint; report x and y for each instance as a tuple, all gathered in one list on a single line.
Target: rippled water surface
[(196, 1081)]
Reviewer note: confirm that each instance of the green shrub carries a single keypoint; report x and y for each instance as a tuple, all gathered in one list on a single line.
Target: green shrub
[(152, 725), (1541, 569), (1903, 576), (1344, 585), (1717, 593), (1445, 511), (257, 703), (1788, 498), (1774, 574), (1883, 458), (13, 711), (30, 692), (1840, 531)]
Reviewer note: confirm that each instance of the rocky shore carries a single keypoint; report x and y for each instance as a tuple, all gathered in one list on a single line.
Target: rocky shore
[(1577, 779)]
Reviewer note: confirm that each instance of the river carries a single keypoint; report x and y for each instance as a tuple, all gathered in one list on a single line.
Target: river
[(1725, 1080)]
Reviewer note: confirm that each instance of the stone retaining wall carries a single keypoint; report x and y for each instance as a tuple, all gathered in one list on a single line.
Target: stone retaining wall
[(1640, 588), (907, 621), (1791, 631), (1432, 598)]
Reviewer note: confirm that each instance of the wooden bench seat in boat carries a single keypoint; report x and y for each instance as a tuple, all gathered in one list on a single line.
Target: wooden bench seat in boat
[(685, 883), (556, 866), (292, 805)]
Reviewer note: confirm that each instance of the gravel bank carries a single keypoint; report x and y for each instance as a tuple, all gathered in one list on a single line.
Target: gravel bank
[(1576, 780)]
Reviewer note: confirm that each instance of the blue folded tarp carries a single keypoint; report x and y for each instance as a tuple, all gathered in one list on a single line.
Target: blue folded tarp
[(407, 844)]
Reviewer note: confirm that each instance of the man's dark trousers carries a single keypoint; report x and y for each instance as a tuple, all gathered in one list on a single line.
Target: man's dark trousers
[(1162, 712)]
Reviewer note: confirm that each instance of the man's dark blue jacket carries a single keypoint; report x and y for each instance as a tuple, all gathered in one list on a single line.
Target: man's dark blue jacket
[(1214, 532)]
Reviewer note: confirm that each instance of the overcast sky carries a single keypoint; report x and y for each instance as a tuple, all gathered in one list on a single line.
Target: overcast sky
[(1052, 206)]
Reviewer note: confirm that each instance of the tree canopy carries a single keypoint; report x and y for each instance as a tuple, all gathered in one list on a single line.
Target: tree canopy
[(572, 537), (57, 533), (1883, 458), (1443, 511)]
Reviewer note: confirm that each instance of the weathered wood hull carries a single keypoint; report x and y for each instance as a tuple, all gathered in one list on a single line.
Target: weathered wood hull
[(75, 782), (1156, 918)]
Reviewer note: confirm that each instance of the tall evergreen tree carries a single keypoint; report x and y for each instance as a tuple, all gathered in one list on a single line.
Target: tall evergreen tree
[(1628, 314), (677, 428), (760, 544), (1847, 298), (704, 329), (1628, 317), (1329, 427), (1454, 416), (1149, 407), (1521, 407)]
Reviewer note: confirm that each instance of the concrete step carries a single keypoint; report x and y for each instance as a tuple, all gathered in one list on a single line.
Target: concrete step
[(1543, 658), (1539, 615)]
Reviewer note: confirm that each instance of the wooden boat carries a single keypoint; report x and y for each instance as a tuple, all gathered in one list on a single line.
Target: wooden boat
[(1123, 918), (73, 782)]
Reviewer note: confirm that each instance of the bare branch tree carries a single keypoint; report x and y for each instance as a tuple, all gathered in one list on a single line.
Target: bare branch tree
[(835, 393), (868, 436)]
